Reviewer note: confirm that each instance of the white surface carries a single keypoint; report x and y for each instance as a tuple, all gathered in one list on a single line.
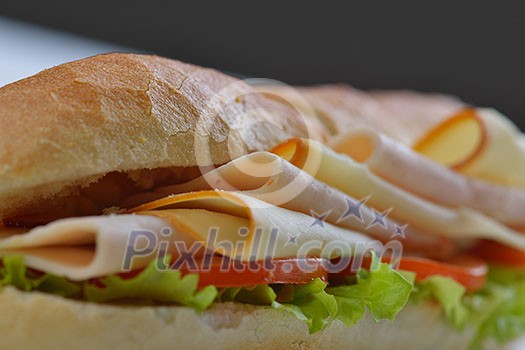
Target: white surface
[(26, 49)]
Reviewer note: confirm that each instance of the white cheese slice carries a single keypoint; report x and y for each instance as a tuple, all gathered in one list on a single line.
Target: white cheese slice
[(405, 168), (356, 179)]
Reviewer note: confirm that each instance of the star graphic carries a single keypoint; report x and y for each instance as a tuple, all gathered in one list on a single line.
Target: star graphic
[(292, 239), (400, 231), (353, 208), (319, 218), (379, 218)]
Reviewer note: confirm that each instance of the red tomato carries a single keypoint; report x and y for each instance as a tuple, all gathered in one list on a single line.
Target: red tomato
[(469, 271), (242, 274), (233, 273), (499, 254)]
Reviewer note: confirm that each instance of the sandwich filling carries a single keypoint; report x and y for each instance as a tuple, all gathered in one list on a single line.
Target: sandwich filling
[(324, 232)]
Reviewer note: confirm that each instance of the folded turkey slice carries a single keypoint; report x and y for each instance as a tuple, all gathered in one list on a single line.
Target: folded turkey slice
[(356, 179), (272, 179), (81, 248), (228, 223), (402, 166), (480, 143)]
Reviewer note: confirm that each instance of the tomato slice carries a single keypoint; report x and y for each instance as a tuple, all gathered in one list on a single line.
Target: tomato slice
[(224, 273), (499, 254), (234, 273), (469, 271)]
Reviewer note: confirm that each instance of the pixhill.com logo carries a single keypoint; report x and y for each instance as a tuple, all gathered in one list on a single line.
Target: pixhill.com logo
[(257, 247)]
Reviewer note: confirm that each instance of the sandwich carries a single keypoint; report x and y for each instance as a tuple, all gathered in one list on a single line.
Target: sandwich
[(149, 203)]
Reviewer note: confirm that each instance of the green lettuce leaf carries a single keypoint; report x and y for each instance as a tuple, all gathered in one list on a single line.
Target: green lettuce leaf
[(149, 285), (500, 307), (153, 285), (505, 276), (309, 303), (14, 273), (495, 312), (382, 290), (449, 294), (258, 295)]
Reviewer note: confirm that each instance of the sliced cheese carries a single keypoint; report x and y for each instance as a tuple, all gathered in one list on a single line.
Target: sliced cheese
[(402, 166), (272, 179), (228, 223), (481, 143), (268, 228), (356, 179)]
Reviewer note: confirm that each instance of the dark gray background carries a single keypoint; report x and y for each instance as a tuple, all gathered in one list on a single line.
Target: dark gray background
[(471, 49)]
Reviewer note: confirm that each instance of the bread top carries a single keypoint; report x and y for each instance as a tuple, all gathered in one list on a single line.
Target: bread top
[(69, 125)]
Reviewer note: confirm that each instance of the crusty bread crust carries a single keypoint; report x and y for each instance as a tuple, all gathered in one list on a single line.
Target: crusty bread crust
[(35, 320), (69, 125), (403, 115)]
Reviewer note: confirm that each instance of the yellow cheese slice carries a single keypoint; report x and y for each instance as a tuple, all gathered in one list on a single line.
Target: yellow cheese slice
[(407, 169), (272, 179), (356, 179), (480, 143), (265, 229)]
